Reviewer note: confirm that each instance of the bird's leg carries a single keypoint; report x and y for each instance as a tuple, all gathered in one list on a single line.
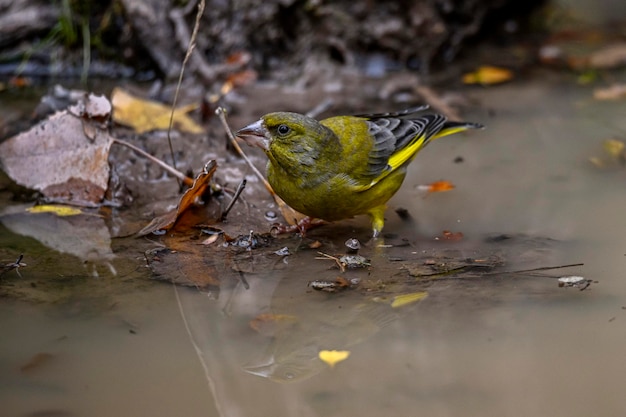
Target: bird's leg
[(377, 214)]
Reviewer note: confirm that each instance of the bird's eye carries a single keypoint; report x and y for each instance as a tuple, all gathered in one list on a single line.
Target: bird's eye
[(283, 129)]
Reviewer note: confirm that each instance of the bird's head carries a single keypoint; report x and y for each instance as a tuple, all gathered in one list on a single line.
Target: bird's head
[(279, 129)]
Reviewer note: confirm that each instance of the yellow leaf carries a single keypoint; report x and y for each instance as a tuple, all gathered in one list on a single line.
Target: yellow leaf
[(405, 299), (614, 147), (145, 115), (487, 75), (332, 357), (58, 210)]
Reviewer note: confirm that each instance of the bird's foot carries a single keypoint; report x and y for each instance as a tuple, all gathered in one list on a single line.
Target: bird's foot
[(301, 227)]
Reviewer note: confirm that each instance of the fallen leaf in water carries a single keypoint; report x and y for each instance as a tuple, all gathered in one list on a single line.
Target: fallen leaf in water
[(58, 210), (65, 157), (488, 75), (613, 92), (332, 357), (193, 208), (187, 267), (614, 153), (37, 361), (614, 147), (436, 187), (268, 324), (145, 115), (406, 299), (448, 235)]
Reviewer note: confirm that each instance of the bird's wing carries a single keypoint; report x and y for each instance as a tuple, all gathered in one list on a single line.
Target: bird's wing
[(397, 140)]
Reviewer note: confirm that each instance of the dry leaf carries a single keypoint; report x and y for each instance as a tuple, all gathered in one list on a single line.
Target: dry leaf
[(145, 115), (332, 357), (185, 216), (65, 157), (437, 187), (488, 75)]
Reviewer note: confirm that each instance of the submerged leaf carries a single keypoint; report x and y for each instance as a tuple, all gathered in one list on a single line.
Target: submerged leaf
[(269, 324), (405, 299), (332, 357), (614, 147)]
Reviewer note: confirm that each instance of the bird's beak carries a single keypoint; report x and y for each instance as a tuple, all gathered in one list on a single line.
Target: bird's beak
[(255, 134)]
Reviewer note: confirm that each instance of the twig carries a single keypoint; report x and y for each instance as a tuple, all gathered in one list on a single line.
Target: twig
[(185, 179), (14, 265), (320, 108), (434, 100), (190, 48), (524, 271), (221, 113), (238, 192), (543, 268), (341, 266), (288, 213), (198, 64)]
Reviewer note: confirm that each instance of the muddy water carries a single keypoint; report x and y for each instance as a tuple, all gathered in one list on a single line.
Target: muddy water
[(507, 344)]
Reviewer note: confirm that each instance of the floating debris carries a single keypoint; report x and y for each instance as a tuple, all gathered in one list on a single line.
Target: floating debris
[(353, 244), (271, 215), (284, 251), (251, 241), (354, 261), (340, 283), (574, 281)]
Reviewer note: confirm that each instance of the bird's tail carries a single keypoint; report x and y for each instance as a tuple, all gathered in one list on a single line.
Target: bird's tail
[(450, 128)]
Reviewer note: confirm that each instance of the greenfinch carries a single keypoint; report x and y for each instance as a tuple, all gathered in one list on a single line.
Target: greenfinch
[(344, 166)]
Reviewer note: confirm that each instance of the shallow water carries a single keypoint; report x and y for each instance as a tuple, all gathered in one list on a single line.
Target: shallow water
[(508, 344)]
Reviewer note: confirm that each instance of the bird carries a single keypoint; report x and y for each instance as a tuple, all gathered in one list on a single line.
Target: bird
[(344, 166)]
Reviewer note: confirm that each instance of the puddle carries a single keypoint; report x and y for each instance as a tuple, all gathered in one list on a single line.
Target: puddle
[(503, 344)]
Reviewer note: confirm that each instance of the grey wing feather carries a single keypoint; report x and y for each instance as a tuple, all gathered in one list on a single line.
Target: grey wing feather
[(392, 134)]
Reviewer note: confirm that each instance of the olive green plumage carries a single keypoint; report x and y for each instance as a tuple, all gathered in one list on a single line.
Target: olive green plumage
[(345, 165)]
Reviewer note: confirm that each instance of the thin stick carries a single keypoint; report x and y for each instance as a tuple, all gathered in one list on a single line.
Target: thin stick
[(543, 268), (431, 97), (522, 271), (185, 179), (221, 113), (190, 48), (320, 108), (288, 213), (238, 192)]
